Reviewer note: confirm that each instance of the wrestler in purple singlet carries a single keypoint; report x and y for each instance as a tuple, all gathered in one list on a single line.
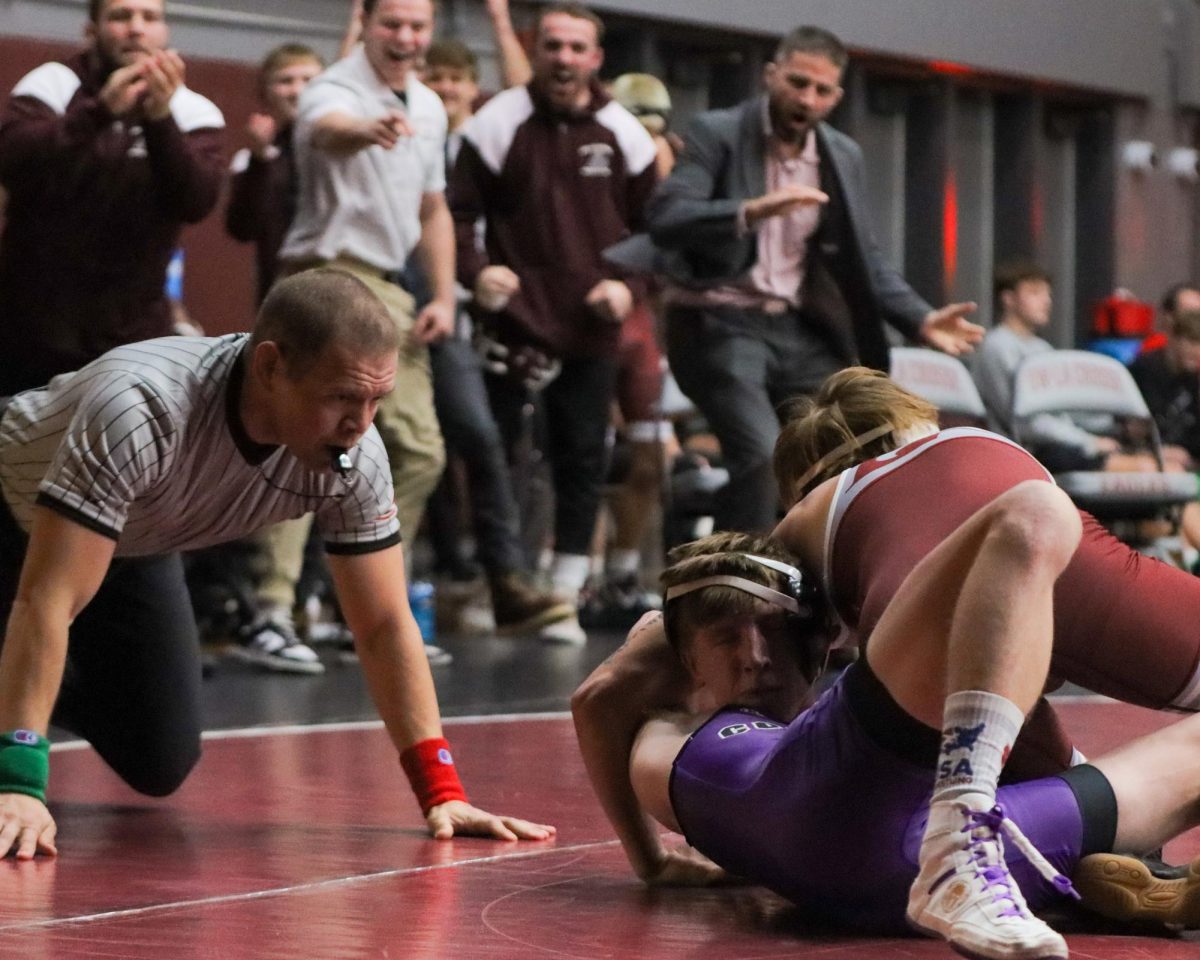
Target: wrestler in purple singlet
[(830, 809)]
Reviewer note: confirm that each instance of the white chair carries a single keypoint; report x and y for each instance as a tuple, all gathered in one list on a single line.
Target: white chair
[(940, 379), (1081, 382)]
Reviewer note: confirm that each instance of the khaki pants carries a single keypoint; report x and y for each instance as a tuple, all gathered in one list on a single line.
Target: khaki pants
[(408, 426)]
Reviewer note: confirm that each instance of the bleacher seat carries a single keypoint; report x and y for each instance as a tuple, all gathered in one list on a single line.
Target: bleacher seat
[(942, 380), (1082, 382)]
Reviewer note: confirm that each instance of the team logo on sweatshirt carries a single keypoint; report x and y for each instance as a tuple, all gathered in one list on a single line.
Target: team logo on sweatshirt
[(137, 140), (597, 159)]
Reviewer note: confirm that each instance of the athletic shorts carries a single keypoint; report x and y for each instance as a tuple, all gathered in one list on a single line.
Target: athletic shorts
[(829, 810)]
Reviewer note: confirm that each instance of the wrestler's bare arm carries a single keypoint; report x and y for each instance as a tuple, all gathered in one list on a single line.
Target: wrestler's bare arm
[(802, 530), (644, 678), (654, 751)]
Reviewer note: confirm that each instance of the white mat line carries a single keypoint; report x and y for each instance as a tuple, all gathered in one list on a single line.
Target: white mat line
[(243, 733), (296, 888)]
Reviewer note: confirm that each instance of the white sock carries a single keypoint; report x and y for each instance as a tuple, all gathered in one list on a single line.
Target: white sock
[(978, 731), (622, 564), (569, 572)]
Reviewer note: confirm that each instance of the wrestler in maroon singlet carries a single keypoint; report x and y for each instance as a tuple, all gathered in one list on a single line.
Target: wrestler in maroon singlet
[(1125, 625)]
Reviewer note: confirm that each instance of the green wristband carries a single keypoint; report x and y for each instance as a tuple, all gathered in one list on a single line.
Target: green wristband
[(24, 763)]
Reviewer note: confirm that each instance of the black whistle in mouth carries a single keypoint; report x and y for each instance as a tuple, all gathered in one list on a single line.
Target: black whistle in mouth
[(341, 461)]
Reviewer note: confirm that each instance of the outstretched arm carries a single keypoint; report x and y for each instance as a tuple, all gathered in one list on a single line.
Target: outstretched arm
[(370, 589), (643, 678)]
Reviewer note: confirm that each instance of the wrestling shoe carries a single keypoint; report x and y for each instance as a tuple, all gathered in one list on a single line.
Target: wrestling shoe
[(519, 607), (1139, 888), (271, 642), (964, 892)]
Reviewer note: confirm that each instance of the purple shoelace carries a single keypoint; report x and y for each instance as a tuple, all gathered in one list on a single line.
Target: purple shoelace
[(995, 874)]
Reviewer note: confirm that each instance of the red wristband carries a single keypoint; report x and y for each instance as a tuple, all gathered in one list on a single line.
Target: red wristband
[(430, 769)]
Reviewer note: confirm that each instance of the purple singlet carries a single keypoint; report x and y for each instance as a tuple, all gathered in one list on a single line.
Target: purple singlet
[(823, 813)]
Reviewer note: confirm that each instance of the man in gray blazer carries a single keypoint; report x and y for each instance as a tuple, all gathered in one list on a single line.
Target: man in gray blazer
[(774, 280)]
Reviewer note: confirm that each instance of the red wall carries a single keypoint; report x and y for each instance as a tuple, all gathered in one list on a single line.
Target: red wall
[(219, 273)]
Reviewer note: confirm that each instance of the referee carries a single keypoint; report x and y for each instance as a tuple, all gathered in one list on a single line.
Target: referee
[(176, 444)]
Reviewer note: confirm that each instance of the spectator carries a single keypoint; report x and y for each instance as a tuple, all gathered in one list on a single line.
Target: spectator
[(371, 176), (371, 173), (558, 171), (465, 414), (514, 64), (1181, 298), (647, 98), (1023, 300), (1169, 379), (262, 199), (262, 208), (643, 434), (105, 157), (776, 280)]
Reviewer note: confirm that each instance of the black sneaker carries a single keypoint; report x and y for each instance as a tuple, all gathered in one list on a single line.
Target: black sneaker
[(271, 643), (617, 605)]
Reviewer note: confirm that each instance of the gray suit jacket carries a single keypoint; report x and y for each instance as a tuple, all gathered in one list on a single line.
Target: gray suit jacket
[(693, 240)]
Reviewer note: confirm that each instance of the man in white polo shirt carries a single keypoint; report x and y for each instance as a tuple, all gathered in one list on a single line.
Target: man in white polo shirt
[(370, 164)]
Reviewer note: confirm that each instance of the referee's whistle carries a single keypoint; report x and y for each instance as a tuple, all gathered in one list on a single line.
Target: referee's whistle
[(342, 464)]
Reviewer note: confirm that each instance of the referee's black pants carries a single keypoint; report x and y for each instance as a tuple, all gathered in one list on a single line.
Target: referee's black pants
[(131, 687)]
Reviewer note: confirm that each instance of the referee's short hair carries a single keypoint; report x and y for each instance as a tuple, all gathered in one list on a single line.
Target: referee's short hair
[(307, 312)]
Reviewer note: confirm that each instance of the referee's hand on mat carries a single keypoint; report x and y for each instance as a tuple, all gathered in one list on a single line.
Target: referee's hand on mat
[(457, 818), (26, 827)]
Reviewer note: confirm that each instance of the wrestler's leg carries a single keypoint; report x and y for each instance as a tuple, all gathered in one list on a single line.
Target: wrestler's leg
[(1156, 783), (1043, 747), (965, 646), (1126, 625), (1156, 779), (975, 613)]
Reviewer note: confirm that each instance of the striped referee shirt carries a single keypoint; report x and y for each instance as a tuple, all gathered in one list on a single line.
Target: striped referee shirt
[(145, 445)]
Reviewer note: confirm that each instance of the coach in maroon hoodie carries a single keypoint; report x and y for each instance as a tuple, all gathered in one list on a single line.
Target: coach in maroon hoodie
[(105, 157), (558, 171)]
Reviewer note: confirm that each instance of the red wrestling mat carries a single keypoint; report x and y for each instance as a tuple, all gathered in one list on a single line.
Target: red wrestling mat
[(308, 845)]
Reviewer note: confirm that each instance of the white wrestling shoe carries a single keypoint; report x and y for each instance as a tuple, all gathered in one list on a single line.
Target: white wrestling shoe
[(964, 892)]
